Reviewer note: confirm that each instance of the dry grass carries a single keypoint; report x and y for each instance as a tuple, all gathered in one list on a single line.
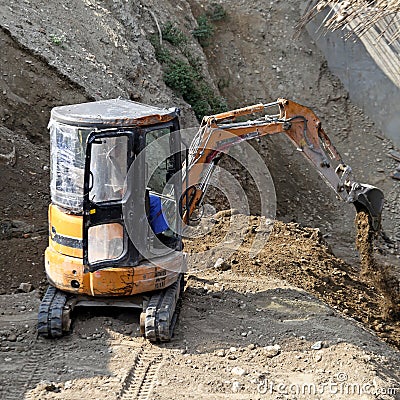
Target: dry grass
[(358, 16)]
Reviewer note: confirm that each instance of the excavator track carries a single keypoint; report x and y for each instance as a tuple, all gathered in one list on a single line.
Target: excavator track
[(159, 317), (51, 313)]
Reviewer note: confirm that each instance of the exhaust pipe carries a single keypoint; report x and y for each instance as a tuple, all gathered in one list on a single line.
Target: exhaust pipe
[(370, 198)]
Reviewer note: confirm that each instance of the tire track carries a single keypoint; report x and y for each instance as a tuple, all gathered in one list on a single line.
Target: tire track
[(30, 374), (140, 379)]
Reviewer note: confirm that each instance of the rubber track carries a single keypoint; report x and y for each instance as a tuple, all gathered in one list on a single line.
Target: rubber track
[(160, 313), (50, 313), (166, 312), (141, 378), (151, 324)]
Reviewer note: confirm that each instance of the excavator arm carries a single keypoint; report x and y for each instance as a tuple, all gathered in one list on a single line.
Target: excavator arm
[(219, 132)]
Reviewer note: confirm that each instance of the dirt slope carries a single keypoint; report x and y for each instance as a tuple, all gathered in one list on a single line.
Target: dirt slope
[(254, 58), (24, 198)]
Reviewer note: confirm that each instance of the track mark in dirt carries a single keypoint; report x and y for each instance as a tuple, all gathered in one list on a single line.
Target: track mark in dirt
[(381, 276), (30, 374), (139, 381)]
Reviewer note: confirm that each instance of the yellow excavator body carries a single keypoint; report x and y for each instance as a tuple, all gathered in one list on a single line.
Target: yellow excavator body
[(66, 271)]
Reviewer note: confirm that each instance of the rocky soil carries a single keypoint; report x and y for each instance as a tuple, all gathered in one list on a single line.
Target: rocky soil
[(296, 317), (241, 334)]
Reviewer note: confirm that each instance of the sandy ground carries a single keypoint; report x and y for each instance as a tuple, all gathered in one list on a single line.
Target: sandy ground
[(237, 337)]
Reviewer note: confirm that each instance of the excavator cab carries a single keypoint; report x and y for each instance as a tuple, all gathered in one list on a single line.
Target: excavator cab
[(108, 160)]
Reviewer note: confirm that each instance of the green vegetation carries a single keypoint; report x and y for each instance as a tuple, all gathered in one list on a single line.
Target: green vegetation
[(163, 55), (216, 12), (57, 40), (191, 85), (183, 70), (173, 35), (181, 76), (204, 30)]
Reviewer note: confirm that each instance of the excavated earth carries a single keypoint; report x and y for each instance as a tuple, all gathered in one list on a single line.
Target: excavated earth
[(301, 317)]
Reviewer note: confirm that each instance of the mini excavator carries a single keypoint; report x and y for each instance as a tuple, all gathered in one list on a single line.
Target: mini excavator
[(109, 158)]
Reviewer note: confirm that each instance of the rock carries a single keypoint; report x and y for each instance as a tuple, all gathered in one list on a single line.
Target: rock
[(25, 287), (52, 388), (236, 386), (12, 337), (226, 213), (317, 345), (238, 371), (68, 385), (272, 351), (8, 151), (222, 265), (48, 386)]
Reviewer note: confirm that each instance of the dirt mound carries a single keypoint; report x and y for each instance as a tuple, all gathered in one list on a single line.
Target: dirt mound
[(302, 257)]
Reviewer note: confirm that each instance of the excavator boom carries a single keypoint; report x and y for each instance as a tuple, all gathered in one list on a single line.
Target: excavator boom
[(219, 132)]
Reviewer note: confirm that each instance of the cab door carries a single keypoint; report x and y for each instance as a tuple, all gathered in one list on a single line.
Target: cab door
[(109, 154)]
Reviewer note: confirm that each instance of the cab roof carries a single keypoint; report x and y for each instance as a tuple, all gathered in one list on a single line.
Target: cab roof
[(112, 113)]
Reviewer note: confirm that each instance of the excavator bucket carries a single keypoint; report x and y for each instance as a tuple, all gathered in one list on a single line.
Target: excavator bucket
[(369, 198)]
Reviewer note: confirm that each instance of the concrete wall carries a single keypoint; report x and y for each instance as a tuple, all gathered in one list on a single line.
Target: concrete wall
[(369, 72)]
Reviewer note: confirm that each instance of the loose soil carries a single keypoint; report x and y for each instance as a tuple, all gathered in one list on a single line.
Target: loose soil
[(240, 327), (303, 258), (379, 275)]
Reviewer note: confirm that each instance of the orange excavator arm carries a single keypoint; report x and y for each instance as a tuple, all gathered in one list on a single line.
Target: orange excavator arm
[(219, 132)]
